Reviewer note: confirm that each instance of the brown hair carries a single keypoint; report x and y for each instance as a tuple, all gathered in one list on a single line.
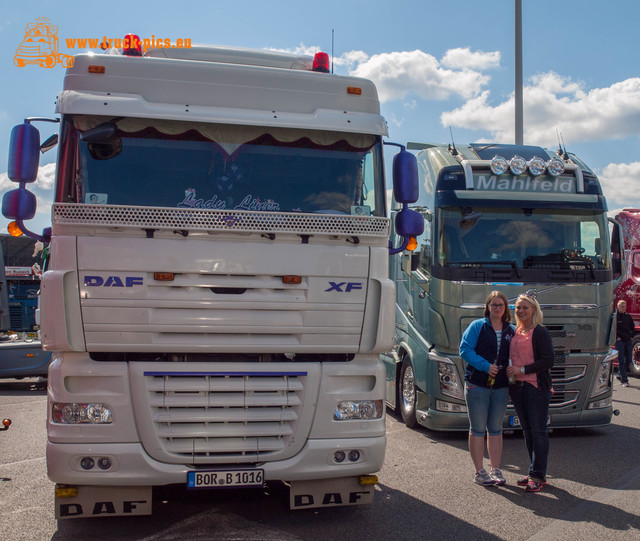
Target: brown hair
[(506, 315)]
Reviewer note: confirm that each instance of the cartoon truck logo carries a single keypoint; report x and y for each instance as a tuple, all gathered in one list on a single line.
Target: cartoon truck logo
[(40, 46)]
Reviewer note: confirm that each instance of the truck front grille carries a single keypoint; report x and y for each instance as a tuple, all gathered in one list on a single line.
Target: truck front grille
[(205, 417)]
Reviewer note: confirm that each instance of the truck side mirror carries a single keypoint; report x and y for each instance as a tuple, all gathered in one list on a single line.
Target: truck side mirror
[(409, 223), (405, 177), (19, 204), (24, 157)]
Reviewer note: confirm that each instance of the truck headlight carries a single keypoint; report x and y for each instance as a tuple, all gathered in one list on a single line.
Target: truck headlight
[(450, 384), (348, 410), (73, 413), (602, 377)]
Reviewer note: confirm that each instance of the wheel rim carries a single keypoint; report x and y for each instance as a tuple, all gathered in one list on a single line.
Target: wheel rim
[(408, 389), (635, 356)]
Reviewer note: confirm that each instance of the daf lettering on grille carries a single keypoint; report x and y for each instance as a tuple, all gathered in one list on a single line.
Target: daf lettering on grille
[(113, 281)]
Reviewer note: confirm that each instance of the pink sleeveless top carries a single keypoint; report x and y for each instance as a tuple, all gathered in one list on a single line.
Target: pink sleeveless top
[(521, 352)]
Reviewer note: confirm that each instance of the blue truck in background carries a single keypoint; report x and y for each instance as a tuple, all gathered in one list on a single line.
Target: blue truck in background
[(21, 354)]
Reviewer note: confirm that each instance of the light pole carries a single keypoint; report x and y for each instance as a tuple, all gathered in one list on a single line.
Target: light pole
[(518, 82)]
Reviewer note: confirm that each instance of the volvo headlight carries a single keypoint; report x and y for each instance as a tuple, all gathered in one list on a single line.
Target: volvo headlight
[(450, 383), (601, 383)]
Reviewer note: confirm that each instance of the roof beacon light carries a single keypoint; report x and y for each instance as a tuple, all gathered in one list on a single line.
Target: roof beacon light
[(499, 165), (518, 165), (536, 166), (131, 45), (555, 167), (321, 63)]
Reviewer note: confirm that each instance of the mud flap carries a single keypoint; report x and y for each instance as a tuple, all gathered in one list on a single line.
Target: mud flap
[(101, 501), (329, 493)]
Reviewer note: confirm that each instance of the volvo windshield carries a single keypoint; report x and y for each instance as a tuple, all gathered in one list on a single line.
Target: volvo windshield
[(522, 240)]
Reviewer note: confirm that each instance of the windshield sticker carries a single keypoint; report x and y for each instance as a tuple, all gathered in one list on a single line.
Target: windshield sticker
[(94, 198), (248, 203), (361, 210)]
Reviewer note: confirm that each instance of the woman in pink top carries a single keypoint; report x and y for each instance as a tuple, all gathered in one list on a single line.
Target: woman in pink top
[(532, 357)]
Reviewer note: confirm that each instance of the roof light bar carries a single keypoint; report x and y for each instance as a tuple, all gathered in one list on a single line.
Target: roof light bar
[(518, 165)]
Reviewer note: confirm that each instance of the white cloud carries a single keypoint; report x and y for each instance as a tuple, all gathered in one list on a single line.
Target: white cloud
[(401, 74), (553, 103), (416, 73), (620, 182), (465, 58)]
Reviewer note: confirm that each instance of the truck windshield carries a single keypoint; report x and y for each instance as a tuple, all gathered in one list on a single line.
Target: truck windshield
[(522, 238), (147, 162)]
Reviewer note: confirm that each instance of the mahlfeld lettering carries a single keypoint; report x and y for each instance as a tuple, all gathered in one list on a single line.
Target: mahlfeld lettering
[(524, 184)]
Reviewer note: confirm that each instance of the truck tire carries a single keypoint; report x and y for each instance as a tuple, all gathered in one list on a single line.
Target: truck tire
[(407, 398), (634, 365)]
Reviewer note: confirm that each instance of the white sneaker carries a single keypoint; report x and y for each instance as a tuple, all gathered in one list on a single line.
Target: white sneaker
[(497, 477), (483, 478)]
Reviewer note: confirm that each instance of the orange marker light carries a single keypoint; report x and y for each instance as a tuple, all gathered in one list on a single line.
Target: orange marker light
[(413, 244), (96, 69), (14, 230), (355, 90), (290, 279), (164, 276)]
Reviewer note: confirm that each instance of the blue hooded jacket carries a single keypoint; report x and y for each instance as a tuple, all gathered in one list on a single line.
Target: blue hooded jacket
[(479, 350)]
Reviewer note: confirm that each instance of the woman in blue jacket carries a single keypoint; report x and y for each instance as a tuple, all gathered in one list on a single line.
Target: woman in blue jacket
[(485, 350)]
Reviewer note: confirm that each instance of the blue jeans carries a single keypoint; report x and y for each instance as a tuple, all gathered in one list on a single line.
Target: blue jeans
[(486, 407), (624, 358), (532, 407)]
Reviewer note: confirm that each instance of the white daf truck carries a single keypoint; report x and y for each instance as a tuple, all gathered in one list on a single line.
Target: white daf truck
[(217, 293)]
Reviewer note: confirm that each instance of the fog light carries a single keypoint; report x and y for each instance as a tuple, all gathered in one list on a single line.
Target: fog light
[(498, 165), (87, 463), (518, 165), (537, 166), (354, 456), (555, 167), (339, 456), (104, 463)]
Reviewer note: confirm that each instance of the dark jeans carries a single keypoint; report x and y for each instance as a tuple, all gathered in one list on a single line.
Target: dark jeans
[(624, 358), (532, 407)]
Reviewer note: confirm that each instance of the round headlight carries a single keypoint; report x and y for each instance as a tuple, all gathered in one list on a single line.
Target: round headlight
[(518, 165), (499, 165), (555, 167), (536, 166)]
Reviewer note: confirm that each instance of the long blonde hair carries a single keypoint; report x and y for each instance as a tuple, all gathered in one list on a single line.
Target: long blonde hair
[(536, 319)]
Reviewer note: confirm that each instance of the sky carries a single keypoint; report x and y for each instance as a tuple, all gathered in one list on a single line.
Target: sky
[(443, 69)]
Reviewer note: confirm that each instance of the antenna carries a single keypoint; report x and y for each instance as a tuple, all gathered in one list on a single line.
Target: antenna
[(562, 151), (452, 146), (332, 41)]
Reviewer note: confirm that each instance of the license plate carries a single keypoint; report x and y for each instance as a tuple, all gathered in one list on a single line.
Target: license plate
[(225, 478), (515, 421)]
